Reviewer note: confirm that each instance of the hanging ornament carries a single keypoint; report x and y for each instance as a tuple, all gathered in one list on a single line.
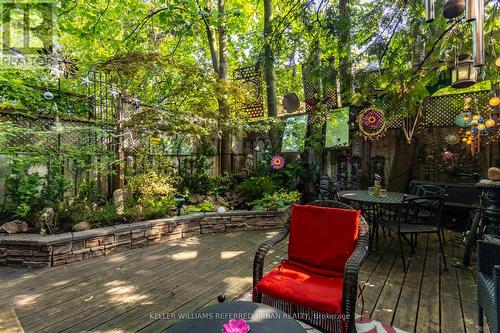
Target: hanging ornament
[(429, 10), (478, 35), (470, 10), (481, 126), (463, 74), (452, 139), (453, 9), (489, 123), (494, 101), (86, 81), (497, 61), (371, 123), (48, 95), (463, 120)]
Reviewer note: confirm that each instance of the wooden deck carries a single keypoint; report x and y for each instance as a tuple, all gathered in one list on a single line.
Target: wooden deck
[(137, 291)]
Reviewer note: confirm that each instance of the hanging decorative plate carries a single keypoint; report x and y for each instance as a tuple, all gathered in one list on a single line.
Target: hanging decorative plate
[(372, 124)]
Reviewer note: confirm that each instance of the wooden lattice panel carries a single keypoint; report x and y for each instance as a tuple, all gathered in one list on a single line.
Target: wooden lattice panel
[(323, 79), (442, 110), (251, 77)]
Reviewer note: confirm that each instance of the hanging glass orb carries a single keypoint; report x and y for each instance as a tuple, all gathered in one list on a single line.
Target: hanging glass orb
[(476, 117), (464, 74), (464, 140), (481, 126), (497, 61), (489, 123), (494, 101), (469, 142), (468, 133)]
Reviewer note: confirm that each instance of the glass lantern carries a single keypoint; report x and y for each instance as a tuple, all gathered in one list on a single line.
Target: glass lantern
[(464, 74)]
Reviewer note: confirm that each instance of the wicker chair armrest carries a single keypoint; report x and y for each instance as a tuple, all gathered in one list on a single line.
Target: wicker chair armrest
[(263, 250), (351, 271), (488, 255)]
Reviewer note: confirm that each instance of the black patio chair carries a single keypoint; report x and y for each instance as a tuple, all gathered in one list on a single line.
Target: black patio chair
[(409, 221), (488, 284), (327, 190)]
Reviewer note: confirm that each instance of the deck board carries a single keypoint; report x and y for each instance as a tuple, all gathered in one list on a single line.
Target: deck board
[(117, 293)]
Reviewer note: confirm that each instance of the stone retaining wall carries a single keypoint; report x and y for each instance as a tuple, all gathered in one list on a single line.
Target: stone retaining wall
[(32, 250)]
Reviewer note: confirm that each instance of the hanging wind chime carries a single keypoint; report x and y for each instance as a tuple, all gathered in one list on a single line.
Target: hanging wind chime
[(474, 12)]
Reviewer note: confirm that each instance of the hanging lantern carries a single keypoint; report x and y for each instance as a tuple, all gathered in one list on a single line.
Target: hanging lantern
[(468, 133), (464, 74), (489, 123), (478, 35), (476, 117), (429, 10), (453, 8), (470, 10), (481, 126), (494, 101), (462, 120), (465, 140)]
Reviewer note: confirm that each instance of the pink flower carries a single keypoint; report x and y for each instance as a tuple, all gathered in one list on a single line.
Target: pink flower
[(277, 162), (447, 155), (236, 326)]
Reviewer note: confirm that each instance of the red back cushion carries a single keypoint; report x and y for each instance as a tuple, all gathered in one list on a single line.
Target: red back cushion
[(322, 238)]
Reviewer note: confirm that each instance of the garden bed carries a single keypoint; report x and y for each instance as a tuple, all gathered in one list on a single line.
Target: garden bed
[(34, 250)]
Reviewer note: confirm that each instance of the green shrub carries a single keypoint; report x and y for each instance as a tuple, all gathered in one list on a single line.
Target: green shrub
[(257, 187), (204, 206), (151, 185), (276, 200)]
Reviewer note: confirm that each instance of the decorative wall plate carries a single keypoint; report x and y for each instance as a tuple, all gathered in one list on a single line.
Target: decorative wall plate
[(371, 123)]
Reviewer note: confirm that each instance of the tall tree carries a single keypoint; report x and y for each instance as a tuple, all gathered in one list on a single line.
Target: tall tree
[(218, 53), (344, 50), (270, 74)]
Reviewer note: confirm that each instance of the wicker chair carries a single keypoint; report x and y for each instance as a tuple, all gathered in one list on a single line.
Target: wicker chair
[(488, 284), (340, 322)]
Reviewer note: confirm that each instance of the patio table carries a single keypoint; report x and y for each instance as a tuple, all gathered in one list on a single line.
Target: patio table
[(260, 317), (365, 199)]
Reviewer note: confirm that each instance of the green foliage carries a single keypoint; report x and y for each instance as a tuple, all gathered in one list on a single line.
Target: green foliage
[(204, 206), (223, 183), (194, 176), (151, 186), (256, 187), (276, 200)]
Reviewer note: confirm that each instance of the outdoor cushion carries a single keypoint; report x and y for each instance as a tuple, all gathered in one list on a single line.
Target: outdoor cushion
[(298, 286), (322, 238)]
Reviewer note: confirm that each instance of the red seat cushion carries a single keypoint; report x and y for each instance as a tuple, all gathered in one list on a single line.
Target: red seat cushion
[(322, 239), (298, 286)]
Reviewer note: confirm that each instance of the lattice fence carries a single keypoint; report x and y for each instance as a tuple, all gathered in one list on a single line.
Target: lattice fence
[(251, 77)]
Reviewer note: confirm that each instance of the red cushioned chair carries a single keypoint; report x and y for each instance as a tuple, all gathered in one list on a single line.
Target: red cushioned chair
[(317, 284)]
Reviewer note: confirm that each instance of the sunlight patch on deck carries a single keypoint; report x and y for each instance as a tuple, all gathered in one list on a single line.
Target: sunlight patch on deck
[(121, 292), (184, 255), (230, 254)]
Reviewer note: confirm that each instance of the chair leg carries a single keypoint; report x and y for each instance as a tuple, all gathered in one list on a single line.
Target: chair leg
[(442, 235), (441, 248), (402, 252), (480, 319)]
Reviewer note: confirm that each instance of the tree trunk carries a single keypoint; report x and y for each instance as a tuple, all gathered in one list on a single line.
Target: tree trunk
[(226, 156), (344, 51), (270, 75)]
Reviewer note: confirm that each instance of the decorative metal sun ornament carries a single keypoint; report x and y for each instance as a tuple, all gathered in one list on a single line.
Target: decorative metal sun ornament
[(277, 162), (58, 62), (371, 123)]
